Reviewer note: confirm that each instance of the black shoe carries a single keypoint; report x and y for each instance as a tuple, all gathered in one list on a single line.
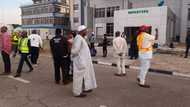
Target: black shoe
[(138, 79), (57, 82), (119, 75), (82, 95), (144, 86), (88, 91), (185, 57), (66, 82), (124, 74), (31, 69), (17, 75)]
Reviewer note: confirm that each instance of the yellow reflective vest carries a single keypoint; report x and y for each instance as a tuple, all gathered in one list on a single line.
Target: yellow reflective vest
[(145, 42), (15, 38), (23, 45)]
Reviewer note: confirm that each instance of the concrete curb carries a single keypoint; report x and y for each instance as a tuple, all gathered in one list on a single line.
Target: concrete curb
[(165, 72)]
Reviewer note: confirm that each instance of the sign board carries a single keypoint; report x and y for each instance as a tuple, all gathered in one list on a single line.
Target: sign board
[(138, 12)]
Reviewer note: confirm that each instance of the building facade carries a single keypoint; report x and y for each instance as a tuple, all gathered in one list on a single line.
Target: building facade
[(160, 19), (103, 15), (98, 15), (45, 16), (82, 14)]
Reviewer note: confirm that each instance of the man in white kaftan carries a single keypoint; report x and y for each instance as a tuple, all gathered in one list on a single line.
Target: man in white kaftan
[(83, 74), (120, 51)]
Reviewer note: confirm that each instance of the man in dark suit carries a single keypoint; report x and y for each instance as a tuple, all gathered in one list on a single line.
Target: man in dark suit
[(60, 52)]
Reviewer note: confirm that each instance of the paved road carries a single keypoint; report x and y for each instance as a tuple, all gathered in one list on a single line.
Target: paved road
[(165, 91)]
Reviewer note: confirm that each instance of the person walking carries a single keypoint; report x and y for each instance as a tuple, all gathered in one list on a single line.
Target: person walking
[(104, 45), (145, 43), (92, 40), (5, 49), (36, 44), (84, 80), (187, 46), (24, 50), (60, 52), (15, 38), (120, 50)]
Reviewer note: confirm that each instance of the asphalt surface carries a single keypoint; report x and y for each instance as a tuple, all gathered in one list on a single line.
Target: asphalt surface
[(165, 91)]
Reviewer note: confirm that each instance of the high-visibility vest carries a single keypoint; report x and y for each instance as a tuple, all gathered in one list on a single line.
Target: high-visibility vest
[(15, 39), (23, 45), (140, 40)]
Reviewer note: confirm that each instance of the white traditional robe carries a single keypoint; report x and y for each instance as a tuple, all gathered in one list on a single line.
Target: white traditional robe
[(120, 47), (83, 67)]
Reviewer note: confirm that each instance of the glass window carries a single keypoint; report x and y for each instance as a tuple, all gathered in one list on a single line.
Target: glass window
[(100, 12), (76, 20), (75, 7), (109, 29), (110, 11)]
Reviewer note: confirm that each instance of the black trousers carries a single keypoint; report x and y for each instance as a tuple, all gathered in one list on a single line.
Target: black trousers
[(23, 58), (7, 62), (62, 64), (105, 51), (133, 52), (34, 54), (187, 51), (92, 45)]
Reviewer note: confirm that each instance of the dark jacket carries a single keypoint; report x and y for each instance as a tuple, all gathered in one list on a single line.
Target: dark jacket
[(59, 47), (105, 42), (188, 40)]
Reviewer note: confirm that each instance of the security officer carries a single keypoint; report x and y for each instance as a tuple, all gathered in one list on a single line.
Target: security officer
[(60, 52), (15, 38), (24, 50)]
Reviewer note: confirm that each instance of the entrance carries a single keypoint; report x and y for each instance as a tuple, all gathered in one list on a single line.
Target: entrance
[(132, 32)]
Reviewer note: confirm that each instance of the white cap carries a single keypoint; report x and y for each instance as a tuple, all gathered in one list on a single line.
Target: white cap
[(18, 29), (81, 28)]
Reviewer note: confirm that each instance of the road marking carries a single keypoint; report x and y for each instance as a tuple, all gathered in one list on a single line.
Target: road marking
[(180, 74), (103, 106), (134, 67), (19, 79), (104, 63)]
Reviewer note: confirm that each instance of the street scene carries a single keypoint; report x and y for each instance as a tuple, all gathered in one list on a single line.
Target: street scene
[(94, 53)]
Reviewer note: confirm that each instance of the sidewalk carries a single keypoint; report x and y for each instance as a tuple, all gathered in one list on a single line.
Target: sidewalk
[(163, 62)]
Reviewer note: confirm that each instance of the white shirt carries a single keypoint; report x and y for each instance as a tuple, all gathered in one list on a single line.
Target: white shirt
[(120, 46), (35, 40)]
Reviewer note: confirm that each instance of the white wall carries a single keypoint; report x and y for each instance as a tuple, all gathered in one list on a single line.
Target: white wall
[(156, 17), (174, 5), (184, 19)]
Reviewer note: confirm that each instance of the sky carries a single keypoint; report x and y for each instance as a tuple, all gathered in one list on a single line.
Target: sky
[(10, 12)]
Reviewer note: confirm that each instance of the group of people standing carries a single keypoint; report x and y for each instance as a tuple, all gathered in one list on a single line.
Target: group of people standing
[(72, 56), (144, 42), (73, 50), (19, 42)]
